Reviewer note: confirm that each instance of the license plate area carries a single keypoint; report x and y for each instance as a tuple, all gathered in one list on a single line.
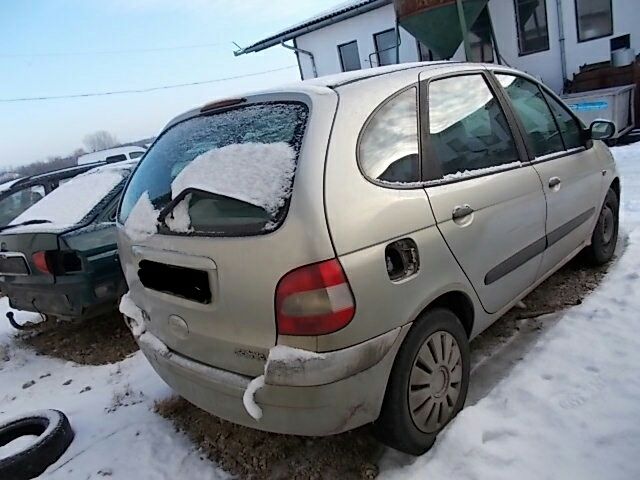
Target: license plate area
[(13, 264), (189, 283)]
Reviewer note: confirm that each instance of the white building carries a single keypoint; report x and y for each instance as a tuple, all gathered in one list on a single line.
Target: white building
[(552, 42)]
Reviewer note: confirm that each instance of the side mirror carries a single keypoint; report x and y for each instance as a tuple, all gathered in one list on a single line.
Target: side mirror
[(602, 129)]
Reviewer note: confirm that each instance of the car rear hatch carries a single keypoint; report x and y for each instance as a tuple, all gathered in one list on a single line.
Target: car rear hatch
[(205, 275)]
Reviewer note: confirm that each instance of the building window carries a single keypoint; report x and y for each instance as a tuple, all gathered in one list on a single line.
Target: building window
[(349, 56), (594, 19), (386, 43), (480, 39), (533, 31)]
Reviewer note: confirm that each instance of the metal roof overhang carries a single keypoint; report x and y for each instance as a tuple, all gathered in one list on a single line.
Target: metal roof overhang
[(315, 23)]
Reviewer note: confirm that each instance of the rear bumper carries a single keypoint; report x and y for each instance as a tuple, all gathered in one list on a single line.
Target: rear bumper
[(344, 396), (75, 298)]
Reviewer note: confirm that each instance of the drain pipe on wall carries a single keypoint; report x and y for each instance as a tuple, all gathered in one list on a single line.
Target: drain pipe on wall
[(305, 52), (563, 51)]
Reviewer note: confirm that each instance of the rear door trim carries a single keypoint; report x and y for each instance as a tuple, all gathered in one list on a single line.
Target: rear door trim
[(539, 246)]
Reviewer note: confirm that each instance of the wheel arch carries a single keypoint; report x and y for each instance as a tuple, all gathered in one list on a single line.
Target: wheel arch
[(459, 303), (615, 186)]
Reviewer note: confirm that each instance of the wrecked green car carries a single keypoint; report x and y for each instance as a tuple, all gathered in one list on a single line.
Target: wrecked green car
[(59, 258)]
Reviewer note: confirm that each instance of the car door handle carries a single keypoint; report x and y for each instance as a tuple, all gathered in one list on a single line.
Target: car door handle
[(461, 211), (554, 182)]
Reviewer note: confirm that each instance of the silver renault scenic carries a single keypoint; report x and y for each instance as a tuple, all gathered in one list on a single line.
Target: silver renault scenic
[(310, 259)]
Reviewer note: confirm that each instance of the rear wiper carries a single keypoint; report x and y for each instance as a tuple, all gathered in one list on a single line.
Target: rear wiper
[(28, 222)]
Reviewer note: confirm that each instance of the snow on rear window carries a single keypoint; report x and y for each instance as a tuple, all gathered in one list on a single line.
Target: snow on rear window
[(256, 173), (71, 202), (240, 164)]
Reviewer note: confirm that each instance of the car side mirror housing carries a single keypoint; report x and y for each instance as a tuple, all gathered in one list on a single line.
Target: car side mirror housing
[(602, 129)]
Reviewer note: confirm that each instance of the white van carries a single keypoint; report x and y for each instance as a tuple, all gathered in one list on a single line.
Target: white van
[(112, 155)]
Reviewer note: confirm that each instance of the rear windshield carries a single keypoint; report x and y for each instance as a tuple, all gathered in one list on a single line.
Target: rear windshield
[(71, 203), (226, 173)]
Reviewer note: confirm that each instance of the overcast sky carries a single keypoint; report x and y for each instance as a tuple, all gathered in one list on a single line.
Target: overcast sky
[(63, 47)]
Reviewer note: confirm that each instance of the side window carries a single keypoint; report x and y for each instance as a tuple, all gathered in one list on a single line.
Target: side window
[(531, 107), (570, 129), (388, 149), (467, 127), (133, 155)]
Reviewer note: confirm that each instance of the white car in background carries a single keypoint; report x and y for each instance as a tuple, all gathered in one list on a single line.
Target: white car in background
[(112, 155)]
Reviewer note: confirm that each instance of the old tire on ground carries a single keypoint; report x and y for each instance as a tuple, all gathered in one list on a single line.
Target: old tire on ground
[(54, 436), (428, 383), (605, 234)]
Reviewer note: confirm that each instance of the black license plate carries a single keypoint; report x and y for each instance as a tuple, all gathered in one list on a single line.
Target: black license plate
[(182, 282)]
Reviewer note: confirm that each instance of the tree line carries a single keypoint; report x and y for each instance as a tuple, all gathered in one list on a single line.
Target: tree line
[(94, 142)]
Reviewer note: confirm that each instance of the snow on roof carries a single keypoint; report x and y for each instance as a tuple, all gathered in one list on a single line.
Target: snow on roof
[(7, 185), (72, 201), (336, 14)]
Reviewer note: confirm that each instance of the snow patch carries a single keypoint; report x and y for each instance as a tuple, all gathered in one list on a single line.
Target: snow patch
[(480, 171), (129, 309), (142, 222), (18, 445), (248, 399), (279, 356), (179, 220), (257, 173), (282, 353), (155, 344)]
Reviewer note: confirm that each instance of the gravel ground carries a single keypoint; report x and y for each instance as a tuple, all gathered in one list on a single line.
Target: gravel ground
[(253, 454), (97, 341)]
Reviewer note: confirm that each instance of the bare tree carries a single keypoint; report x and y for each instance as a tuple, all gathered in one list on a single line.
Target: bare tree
[(99, 140)]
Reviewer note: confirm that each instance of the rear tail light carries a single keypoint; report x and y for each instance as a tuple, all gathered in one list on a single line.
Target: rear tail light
[(57, 263), (314, 300), (41, 262)]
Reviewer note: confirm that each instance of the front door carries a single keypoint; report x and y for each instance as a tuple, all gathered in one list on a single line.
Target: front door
[(570, 173), (486, 197)]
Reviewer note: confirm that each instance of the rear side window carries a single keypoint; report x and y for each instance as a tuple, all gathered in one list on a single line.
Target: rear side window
[(133, 155), (388, 149), (467, 127), (225, 173), (530, 105)]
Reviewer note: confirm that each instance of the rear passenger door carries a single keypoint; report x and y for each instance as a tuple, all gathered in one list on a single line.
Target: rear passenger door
[(486, 197), (571, 174)]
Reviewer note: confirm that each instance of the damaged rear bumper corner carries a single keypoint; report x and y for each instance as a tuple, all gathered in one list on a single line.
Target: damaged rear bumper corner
[(314, 395)]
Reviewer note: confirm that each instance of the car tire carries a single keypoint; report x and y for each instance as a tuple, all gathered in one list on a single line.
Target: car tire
[(427, 387), (54, 437), (605, 233)]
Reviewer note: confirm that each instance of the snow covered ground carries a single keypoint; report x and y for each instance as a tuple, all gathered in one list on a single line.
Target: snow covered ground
[(110, 409), (569, 409)]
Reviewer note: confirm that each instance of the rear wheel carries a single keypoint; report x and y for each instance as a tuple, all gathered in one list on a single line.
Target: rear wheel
[(428, 383), (605, 234)]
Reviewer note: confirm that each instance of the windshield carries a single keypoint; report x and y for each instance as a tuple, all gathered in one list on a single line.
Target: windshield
[(224, 173)]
